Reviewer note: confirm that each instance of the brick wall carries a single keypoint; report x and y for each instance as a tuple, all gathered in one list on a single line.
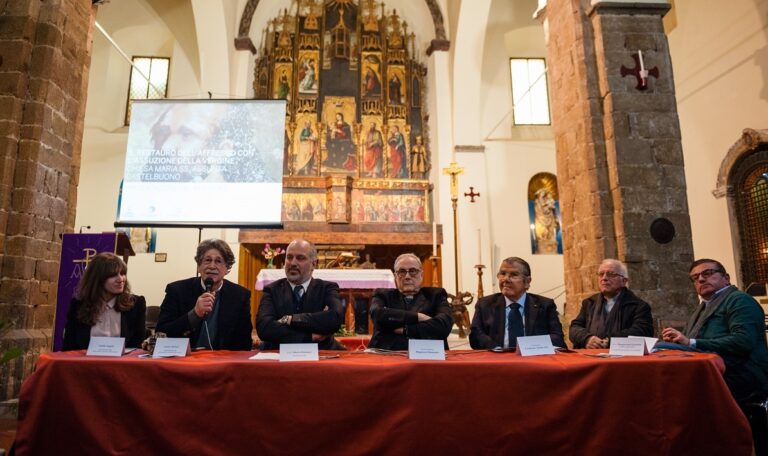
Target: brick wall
[(619, 158), (44, 60)]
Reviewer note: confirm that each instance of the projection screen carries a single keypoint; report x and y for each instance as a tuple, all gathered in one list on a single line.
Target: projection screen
[(204, 163)]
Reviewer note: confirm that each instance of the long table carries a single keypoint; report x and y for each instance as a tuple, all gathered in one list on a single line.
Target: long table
[(474, 402)]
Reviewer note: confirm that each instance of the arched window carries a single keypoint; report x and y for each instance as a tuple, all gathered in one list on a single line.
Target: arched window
[(749, 183)]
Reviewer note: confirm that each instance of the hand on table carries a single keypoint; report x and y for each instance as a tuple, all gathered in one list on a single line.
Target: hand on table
[(673, 335)]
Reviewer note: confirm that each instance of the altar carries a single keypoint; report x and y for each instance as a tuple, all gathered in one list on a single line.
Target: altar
[(355, 284)]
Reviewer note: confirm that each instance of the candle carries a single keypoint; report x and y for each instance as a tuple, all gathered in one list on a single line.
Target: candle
[(479, 248), (640, 55), (434, 239)]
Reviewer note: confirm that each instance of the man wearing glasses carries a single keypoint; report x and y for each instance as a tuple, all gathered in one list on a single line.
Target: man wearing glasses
[(730, 323), (503, 317), (614, 312), (410, 311), (300, 308), (213, 312)]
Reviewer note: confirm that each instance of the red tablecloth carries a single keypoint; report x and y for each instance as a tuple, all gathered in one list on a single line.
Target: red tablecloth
[(221, 403)]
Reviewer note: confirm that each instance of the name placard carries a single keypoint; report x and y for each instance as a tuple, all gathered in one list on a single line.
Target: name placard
[(168, 347), (628, 346), (426, 349), (535, 345), (650, 342), (299, 352), (106, 346)]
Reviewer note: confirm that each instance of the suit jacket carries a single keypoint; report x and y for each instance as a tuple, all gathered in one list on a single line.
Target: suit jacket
[(321, 313), (630, 316), (733, 326), (389, 312), (77, 335), (233, 318), (487, 329)]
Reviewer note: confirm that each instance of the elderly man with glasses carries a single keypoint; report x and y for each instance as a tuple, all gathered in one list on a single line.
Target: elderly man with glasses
[(614, 312), (730, 323), (410, 311), (503, 317)]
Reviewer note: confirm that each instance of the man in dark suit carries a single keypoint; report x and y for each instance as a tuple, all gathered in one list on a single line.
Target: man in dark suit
[(614, 312), (300, 308), (503, 317), (216, 315), (730, 323), (410, 311)]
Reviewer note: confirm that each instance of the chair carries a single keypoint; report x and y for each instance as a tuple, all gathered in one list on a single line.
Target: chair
[(153, 312), (756, 410)]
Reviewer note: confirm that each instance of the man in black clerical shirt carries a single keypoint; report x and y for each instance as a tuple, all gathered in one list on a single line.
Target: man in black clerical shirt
[(410, 311)]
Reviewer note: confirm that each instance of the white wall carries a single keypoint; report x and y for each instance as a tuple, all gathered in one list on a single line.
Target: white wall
[(512, 154), (139, 29), (720, 57)]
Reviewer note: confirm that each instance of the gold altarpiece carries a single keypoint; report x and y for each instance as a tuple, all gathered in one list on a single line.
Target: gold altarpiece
[(356, 159)]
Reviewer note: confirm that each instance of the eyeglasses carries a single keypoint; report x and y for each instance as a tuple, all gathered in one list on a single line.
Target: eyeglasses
[(707, 273), (609, 274), (413, 272), (216, 261)]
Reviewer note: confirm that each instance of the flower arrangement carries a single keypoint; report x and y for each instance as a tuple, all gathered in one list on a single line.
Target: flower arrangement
[(269, 254)]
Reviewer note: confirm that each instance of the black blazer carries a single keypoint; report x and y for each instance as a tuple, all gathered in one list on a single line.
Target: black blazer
[(77, 335), (541, 318), (233, 318), (389, 312), (322, 313), (630, 316)]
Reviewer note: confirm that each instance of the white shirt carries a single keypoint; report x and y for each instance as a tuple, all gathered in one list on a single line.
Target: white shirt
[(108, 323)]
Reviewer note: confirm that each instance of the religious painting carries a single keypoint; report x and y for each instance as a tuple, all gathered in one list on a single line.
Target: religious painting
[(281, 88), (544, 214), (306, 146), (372, 139), (261, 83), (287, 147), (354, 51), (327, 50), (307, 71), (415, 92), (419, 161), (337, 207), (142, 239), (388, 206), (371, 75), (304, 207), (340, 154), (397, 146), (395, 85)]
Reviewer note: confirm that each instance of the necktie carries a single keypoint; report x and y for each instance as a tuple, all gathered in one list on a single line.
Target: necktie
[(514, 324), (298, 293)]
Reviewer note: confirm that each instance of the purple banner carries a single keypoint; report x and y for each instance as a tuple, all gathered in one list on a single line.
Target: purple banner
[(76, 252)]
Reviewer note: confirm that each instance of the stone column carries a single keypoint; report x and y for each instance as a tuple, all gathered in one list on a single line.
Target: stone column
[(44, 60), (619, 157)]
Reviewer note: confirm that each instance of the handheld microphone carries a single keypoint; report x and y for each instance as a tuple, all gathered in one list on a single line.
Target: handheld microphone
[(208, 282)]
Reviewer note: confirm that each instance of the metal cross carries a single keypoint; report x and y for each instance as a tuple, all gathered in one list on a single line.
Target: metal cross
[(640, 72), (472, 194)]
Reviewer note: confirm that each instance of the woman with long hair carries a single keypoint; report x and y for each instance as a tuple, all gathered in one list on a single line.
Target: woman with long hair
[(104, 306)]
